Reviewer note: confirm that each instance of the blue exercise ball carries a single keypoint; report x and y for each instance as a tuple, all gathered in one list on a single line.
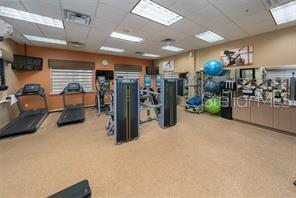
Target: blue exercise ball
[(213, 68), (212, 87)]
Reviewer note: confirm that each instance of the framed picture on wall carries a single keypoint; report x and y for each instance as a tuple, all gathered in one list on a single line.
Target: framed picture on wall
[(168, 66), (237, 57)]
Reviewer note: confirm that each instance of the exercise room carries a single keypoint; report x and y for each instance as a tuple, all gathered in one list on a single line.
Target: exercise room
[(147, 98)]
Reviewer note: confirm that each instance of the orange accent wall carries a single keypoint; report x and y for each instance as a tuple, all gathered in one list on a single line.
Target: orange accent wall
[(43, 77)]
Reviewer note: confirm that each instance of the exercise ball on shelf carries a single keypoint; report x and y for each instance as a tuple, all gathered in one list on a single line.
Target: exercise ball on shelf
[(212, 87), (213, 68), (213, 105)]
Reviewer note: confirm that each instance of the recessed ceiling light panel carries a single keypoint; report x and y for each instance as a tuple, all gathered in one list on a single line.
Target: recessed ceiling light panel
[(151, 55), (155, 12), (126, 37), (27, 16), (284, 13), (45, 40), (172, 48), (111, 49), (209, 36)]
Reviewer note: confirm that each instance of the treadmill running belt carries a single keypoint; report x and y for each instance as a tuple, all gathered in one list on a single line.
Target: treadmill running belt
[(23, 124), (71, 115)]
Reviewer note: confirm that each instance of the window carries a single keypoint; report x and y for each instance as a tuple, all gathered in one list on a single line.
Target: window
[(60, 78)]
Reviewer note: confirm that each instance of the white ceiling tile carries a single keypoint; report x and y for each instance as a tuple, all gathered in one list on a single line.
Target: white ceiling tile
[(134, 21), (52, 32), (236, 9), (261, 17), (85, 7), (24, 27), (110, 42), (12, 4), (44, 7), (229, 31), (96, 38), (202, 16), (110, 13), (165, 3), (188, 27), (167, 33), (104, 25), (185, 7), (258, 28), (150, 28), (126, 5), (76, 33)]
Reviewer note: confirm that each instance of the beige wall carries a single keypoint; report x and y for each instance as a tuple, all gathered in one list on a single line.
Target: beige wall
[(270, 49), (8, 113), (183, 62)]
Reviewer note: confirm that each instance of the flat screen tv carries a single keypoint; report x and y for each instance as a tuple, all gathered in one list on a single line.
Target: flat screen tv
[(152, 70), (27, 63), (109, 74)]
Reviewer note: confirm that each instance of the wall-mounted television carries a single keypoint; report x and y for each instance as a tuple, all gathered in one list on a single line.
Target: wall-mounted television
[(108, 74), (27, 63), (152, 70), (147, 81), (158, 81)]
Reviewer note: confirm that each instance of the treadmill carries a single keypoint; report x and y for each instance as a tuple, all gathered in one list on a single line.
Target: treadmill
[(72, 113), (28, 121)]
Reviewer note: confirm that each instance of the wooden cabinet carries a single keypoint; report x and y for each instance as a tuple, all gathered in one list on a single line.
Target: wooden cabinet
[(262, 114), (241, 110), (284, 118)]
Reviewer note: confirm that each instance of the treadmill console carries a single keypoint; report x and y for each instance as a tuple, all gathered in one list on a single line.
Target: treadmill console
[(32, 89), (73, 87)]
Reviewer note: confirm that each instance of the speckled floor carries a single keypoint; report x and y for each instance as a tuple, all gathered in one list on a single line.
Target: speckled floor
[(203, 156)]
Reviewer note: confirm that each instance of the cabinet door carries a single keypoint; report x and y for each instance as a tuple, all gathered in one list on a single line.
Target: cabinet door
[(262, 114), (241, 110), (284, 118)]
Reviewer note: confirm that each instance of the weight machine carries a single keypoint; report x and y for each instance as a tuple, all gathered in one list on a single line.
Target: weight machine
[(124, 121)]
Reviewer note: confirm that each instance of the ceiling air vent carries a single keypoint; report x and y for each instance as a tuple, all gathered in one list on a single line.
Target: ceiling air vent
[(168, 41), (76, 17), (139, 53), (75, 44)]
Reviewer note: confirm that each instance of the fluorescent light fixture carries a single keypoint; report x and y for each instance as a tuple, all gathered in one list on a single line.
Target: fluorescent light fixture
[(209, 36), (111, 49), (126, 37), (172, 48), (151, 55), (27, 16), (45, 40), (284, 13), (155, 12)]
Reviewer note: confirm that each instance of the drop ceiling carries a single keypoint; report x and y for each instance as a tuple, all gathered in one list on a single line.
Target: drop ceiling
[(232, 19)]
